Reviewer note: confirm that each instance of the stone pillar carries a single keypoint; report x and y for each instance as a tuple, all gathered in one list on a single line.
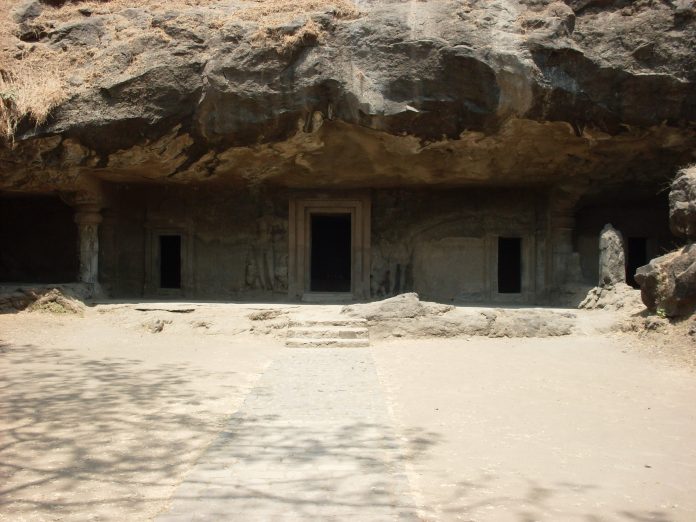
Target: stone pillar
[(88, 218), (565, 263), (612, 257)]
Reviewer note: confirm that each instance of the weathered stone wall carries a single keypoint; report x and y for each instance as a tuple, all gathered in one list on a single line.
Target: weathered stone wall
[(38, 240), (443, 243), (234, 242)]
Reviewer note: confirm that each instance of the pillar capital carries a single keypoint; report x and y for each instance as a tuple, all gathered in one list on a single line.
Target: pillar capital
[(88, 214)]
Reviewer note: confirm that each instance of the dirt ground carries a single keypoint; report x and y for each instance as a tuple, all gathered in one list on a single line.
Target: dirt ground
[(102, 415), (100, 419), (573, 429)]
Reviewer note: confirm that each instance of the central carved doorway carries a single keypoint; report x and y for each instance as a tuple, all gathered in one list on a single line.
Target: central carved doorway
[(329, 247), (331, 252)]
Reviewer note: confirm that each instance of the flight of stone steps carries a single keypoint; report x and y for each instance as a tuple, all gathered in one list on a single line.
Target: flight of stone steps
[(328, 333)]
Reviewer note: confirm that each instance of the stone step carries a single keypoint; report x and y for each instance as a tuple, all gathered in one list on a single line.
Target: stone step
[(327, 297), (328, 332), (310, 323), (335, 332), (326, 343)]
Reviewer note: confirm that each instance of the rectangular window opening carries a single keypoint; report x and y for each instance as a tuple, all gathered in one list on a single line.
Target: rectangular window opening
[(170, 261), (509, 265)]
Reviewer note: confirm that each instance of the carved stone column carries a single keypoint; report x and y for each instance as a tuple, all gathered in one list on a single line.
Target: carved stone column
[(565, 262), (562, 240), (88, 217)]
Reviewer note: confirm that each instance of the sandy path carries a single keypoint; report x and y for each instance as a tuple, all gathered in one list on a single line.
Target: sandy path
[(100, 419), (572, 429), (313, 441)]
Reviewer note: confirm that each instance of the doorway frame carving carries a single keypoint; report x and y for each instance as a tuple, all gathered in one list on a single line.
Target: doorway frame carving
[(302, 206), (152, 260)]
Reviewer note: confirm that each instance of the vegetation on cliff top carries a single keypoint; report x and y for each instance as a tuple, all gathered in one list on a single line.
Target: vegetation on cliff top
[(36, 75)]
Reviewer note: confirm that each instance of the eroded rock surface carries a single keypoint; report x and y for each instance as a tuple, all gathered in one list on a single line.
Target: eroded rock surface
[(668, 283), (406, 316), (437, 92), (682, 204), (612, 257), (60, 299), (612, 297), (403, 306)]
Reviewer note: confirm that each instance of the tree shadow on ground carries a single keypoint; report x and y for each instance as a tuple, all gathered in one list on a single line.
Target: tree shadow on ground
[(110, 439), (265, 467), (535, 502), (85, 438)]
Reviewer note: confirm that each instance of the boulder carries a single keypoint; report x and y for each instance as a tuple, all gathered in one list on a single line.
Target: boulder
[(404, 306), (668, 283), (682, 204), (612, 297), (61, 299), (26, 11), (406, 316)]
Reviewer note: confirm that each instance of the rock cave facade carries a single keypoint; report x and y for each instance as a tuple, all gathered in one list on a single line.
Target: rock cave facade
[(467, 151)]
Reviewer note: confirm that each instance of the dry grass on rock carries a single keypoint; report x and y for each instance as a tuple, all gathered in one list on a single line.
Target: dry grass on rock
[(55, 302), (36, 77), (31, 89)]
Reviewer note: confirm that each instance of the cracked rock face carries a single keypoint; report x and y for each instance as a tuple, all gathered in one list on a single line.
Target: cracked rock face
[(682, 204), (581, 93), (668, 283)]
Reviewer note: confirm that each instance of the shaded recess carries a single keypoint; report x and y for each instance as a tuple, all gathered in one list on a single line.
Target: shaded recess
[(636, 256), (331, 253), (170, 261), (643, 220), (509, 265), (38, 239)]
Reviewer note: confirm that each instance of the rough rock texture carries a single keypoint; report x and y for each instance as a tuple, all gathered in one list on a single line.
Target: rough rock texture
[(439, 92), (682, 204), (403, 306), (406, 316), (612, 297), (668, 283), (55, 302), (155, 325), (57, 299), (612, 258)]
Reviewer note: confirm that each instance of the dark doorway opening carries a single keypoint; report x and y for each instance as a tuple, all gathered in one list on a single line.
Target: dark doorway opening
[(637, 257), (39, 240), (331, 253), (509, 265), (170, 261)]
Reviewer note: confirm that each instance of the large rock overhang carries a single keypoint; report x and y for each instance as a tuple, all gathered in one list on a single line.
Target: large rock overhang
[(448, 94)]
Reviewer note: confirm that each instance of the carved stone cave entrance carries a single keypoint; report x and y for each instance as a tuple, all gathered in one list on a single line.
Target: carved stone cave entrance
[(329, 247)]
